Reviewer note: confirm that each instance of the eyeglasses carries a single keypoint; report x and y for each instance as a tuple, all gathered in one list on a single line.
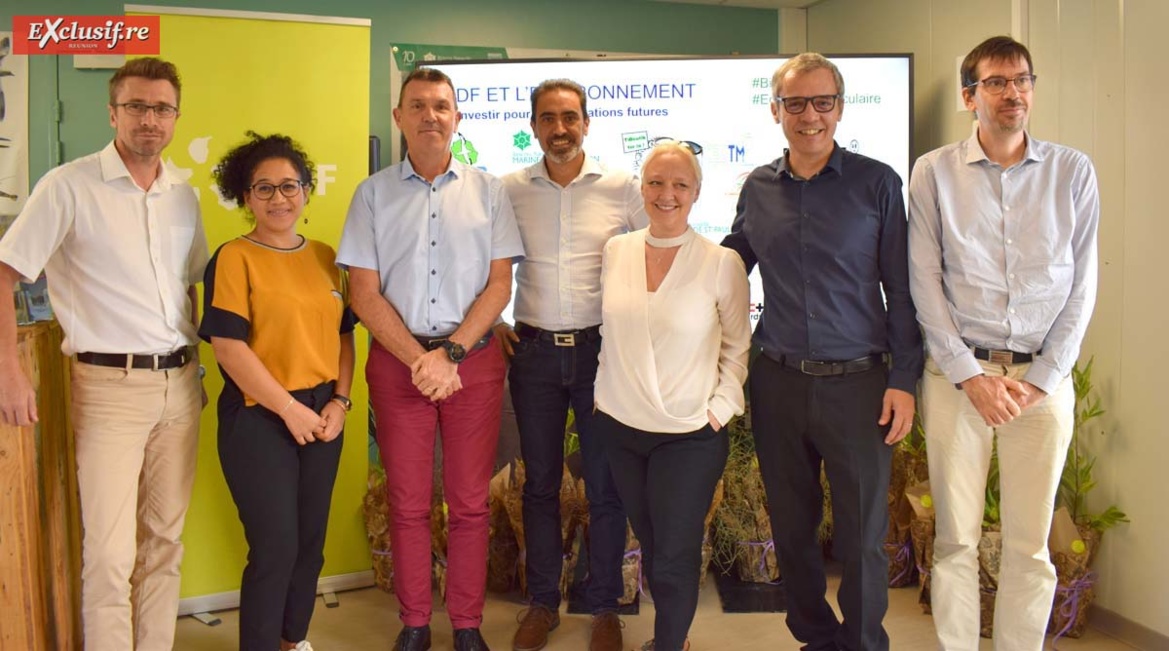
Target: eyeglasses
[(265, 191), (138, 109), (996, 85), (694, 147), (797, 105)]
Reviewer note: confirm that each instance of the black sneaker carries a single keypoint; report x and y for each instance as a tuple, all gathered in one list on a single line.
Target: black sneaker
[(469, 639), (413, 638)]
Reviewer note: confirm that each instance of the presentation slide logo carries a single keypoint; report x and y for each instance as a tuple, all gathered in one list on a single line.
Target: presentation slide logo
[(85, 35)]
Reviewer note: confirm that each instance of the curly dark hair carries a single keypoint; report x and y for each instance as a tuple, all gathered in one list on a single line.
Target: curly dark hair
[(234, 172)]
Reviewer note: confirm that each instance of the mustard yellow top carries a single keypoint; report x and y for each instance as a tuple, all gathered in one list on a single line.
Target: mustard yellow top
[(289, 305)]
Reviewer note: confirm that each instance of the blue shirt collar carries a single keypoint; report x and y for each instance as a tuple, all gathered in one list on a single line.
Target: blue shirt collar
[(975, 153), (407, 169)]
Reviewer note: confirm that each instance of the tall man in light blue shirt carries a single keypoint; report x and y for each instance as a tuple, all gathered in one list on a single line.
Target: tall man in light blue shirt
[(1002, 249), (567, 207), (429, 245)]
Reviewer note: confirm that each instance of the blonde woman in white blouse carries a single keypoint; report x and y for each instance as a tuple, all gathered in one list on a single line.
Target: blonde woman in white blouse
[(672, 365)]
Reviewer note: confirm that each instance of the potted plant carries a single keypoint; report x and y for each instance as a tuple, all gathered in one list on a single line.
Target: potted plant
[(742, 526), (1074, 556)]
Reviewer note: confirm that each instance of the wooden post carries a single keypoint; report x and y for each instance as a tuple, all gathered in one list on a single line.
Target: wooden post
[(40, 524)]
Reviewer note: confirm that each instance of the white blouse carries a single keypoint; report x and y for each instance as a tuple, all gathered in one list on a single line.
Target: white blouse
[(670, 355)]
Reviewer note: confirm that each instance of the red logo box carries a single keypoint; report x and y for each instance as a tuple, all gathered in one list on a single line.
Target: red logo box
[(85, 35)]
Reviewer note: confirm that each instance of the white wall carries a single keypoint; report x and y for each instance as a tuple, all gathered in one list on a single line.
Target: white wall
[(1102, 89)]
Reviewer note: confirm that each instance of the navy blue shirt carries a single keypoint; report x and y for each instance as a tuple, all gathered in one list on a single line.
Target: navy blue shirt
[(826, 247)]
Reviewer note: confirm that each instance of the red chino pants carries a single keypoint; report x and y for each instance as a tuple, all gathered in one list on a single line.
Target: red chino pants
[(468, 422)]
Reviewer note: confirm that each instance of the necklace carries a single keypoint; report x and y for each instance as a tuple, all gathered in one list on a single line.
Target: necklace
[(660, 250), (668, 242)]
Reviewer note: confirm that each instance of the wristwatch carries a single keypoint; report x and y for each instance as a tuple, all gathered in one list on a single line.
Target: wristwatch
[(454, 351), (344, 401)]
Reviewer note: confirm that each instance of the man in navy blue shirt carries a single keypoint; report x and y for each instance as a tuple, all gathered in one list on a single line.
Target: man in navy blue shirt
[(841, 358)]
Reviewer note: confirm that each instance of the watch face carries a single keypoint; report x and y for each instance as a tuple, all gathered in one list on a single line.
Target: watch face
[(454, 351)]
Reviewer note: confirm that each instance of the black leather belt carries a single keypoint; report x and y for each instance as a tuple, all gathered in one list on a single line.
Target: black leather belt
[(824, 369), (160, 362), (1002, 356), (434, 343), (561, 338)]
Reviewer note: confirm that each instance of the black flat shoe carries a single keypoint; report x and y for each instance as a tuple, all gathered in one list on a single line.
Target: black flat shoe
[(469, 639), (414, 638)]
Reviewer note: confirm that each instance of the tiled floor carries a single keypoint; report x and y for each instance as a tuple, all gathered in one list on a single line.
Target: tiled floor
[(367, 619)]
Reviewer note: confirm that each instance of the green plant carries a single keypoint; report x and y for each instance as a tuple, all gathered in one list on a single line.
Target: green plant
[(571, 438), (991, 513), (1076, 481)]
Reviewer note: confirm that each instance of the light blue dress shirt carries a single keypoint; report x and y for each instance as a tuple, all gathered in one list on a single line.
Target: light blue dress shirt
[(1004, 259), (431, 243)]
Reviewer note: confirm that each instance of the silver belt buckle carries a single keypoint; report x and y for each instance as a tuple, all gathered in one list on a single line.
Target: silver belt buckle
[(1002, 357), (564, 339)]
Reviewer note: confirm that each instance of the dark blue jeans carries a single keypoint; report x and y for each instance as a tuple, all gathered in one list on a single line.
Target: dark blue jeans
[(545, 380)]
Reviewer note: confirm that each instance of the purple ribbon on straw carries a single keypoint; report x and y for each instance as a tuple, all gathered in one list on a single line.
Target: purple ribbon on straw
[(904, 554), (1071, 594), (636, 554), (767, 546), (388, 552)]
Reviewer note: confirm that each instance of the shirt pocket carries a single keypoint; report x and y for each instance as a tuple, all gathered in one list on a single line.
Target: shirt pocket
[(180, 239)]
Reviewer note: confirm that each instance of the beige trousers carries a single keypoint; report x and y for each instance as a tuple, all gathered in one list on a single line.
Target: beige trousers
[(1031, 452), (136, 436)]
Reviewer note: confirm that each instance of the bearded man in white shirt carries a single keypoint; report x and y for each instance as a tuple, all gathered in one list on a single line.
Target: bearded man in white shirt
[(567, 207), (120, 239)]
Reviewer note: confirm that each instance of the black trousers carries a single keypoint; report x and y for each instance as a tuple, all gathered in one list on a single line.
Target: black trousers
[(798, 421), (666, 482), (282, 491)]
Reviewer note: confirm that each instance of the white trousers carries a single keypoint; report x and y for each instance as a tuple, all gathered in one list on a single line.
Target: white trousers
[(1031, 452)]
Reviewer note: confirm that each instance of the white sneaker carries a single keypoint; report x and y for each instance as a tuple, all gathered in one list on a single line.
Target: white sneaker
[(303, 645)]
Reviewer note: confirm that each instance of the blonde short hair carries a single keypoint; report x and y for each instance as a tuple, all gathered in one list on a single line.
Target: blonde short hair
[(674, 146)]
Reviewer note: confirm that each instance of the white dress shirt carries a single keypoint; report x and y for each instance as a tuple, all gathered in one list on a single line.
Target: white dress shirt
[(670, 355), (119, 260), (1004, 259), (558, 283)]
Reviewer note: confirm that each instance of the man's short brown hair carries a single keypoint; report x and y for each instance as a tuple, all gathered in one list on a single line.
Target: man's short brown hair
[(147, 68), (995, 48), (430, 75)]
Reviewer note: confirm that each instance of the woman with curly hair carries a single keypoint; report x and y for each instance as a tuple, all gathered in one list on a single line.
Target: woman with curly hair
[(276, 314)]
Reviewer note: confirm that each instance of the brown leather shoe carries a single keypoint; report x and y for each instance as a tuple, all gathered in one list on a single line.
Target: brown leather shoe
[(606, 635), (535, 624)]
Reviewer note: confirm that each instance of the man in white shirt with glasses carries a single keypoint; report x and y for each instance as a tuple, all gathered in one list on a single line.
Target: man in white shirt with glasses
[(121, 240)]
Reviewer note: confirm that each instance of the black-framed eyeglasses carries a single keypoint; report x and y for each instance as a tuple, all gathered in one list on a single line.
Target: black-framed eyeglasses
[(797, 105), (138, 109), (996, 85), (694, 147), (265, 191)]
